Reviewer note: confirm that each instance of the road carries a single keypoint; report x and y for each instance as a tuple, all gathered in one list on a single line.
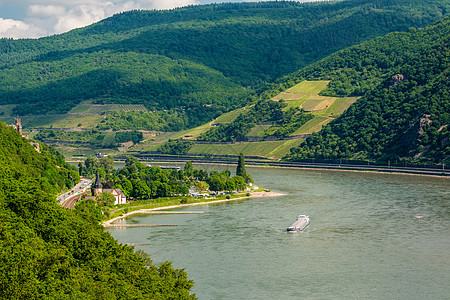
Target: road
[(71, 197)]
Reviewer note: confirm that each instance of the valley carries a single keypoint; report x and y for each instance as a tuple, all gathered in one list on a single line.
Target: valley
[(328, 103)]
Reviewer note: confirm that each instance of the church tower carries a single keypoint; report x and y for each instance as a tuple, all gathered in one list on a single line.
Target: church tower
[(97, 185)]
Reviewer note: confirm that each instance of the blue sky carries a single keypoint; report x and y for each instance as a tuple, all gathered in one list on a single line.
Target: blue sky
[(37, 18)]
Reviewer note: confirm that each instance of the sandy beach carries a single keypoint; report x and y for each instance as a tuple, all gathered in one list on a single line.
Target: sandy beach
[(109, 223)]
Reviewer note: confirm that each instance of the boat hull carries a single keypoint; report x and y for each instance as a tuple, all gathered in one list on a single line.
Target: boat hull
[(299, 225)]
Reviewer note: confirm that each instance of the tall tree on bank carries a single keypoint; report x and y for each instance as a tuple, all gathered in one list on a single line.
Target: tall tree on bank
[(240, 170)]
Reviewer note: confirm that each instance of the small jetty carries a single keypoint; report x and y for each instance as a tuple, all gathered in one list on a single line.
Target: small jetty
[(160, 212), (300, 223), (139, 225)]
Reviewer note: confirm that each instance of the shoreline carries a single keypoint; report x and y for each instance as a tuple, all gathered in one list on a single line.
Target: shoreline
[(392, 171), (109, 223)]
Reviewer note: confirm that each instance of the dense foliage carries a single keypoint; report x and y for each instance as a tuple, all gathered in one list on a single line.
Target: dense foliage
[(175, 147), (93, 137), (171, 120), (141, 182), (126, 136), (189, 57), (283, 122), (406, 115), (48, 252), (17, 156)]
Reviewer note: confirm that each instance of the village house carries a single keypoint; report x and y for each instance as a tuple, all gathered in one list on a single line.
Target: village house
[(118, 194)]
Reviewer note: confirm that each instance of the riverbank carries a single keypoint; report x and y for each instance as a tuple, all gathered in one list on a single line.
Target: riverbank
[(109, 223), (411, 170)]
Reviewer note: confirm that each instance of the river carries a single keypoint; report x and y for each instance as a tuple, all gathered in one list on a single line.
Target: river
[(365, 240)]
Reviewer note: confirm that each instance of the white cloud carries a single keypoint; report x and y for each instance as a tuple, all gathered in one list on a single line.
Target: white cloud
[(46, 11), (48, 17), (17, 29), (166, 4)]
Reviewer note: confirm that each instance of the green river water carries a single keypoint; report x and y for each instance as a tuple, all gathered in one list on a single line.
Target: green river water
[(365, 240)]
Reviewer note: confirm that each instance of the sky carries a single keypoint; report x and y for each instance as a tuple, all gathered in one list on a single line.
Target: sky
[(38, 18)]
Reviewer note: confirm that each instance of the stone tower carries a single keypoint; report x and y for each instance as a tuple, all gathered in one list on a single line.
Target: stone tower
[(18, 126)]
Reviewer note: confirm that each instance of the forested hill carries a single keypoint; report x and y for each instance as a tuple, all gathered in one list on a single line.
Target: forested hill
[(405, 108), (200, 56), (49, 252)]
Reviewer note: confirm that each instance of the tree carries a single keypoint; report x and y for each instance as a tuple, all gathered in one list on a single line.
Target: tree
[(201, 185), (141, 190), (188, 169), (216, 184), (240, 182), (89, 210), (91, 163), (105, 199), (240, 170), (107, 163), (230, 184)]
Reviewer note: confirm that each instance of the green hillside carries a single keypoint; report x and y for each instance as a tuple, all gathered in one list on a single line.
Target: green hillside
[(405, 110), (267, 128), (297, 111), (49, 252), (200, 56)]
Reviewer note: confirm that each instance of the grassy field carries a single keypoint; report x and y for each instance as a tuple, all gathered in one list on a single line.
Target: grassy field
[(309, 87), (256, 149), (87, 107), (132, 107), (341, 105), (303, 91), (295, 103), (110, 138), (75, 121), (289, 96), (324, 109), (192, 134), (229, 116), (312, 125), (258, 130), (284, 148)]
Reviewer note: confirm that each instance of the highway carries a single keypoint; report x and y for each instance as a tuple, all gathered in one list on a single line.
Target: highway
[(70, 198)]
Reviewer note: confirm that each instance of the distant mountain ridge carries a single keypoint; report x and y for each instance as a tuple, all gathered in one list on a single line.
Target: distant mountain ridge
[(189, 58)]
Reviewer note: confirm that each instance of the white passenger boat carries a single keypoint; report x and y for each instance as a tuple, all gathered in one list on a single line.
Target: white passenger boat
[(300, 223)]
